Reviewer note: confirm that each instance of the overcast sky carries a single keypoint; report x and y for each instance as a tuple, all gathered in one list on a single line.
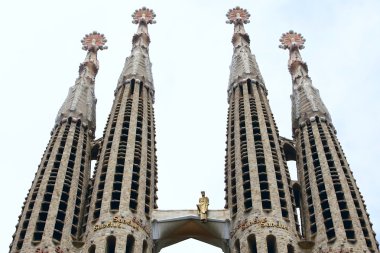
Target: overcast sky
[(191, 52)]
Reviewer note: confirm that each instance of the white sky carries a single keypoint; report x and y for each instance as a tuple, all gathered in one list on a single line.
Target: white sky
[(191, 52)]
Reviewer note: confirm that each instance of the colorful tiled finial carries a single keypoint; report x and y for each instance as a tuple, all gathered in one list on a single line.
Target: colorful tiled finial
[(144, 14), (237, 15), (94, 41), (292, 39)]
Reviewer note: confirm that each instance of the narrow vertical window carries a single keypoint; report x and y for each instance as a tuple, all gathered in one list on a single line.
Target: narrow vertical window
[(271, 244), (130, 244), (92, 249), (249, 85), (290, 248), (252, 244), (111, 244), (237, 246), (297, 201), (145, 247)]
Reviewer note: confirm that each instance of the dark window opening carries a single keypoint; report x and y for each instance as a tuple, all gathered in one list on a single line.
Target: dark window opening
[(110, 244), (271, 244), (130, 244), (252, 243), (92, 249), (290, 248), (237, 246)]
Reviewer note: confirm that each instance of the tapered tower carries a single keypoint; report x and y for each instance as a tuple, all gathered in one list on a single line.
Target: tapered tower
[(333, 210), (52, 213), (124, 187), (258, 187)]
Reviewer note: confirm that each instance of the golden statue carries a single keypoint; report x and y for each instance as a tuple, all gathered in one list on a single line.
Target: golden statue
[(203, 207)]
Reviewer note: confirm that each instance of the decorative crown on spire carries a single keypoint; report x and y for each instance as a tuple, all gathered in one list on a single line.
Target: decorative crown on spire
[(94, 41), (292, 39), (144, 15), (238, 15)]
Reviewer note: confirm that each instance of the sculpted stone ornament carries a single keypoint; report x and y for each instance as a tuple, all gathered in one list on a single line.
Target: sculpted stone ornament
[(238, 15), (144, 14), (94, 41), (203, 207), (292, 39)]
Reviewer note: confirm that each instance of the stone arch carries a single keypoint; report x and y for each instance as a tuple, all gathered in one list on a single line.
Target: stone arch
[(171, 227), (289, 149)]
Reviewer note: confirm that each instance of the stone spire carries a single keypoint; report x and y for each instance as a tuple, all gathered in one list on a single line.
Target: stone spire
[(137, 65), (332, 208), (243, 65), (80, 102), (52, 215), (258, 184), (306, 101), (125, 177)]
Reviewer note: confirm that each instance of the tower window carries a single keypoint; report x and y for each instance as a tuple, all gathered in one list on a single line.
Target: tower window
[(290, 248), (237, 246), (145, 247), (252, 243), (110, 244), (271, 244), (92, 249), (130, 244)]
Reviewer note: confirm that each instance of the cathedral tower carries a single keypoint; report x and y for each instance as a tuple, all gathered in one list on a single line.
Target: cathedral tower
[(114, 211), (333, 210), (124, 187), (258, 186), (52, 214)]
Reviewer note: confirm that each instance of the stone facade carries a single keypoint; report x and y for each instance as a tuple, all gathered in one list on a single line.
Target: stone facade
[(115, 211)]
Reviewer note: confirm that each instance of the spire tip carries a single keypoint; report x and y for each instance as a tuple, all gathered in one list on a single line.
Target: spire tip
[(292, 39), (144, 15), (94, 41), (238, 15)]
